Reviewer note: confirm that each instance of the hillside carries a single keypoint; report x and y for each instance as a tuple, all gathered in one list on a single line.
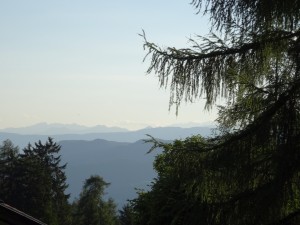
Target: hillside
[(119, 157), (125, 165)]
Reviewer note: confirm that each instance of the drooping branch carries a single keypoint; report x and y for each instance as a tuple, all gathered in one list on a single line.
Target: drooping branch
[(264, 117), (260, 14), (206, 71), (189, 54)]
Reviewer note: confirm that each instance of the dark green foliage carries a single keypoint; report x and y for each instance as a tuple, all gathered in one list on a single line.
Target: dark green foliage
[(38, 182), (34, 182), (91, 208), (198, 185), (250, 173), (9, 155), (110, 216), (46, 189), (175, 196), (127, 216)]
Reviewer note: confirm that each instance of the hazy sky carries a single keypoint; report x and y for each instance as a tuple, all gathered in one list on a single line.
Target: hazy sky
[(81, 61)]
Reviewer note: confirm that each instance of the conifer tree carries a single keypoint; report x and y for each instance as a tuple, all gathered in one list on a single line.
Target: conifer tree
[(126, 215), (91, 208), (9, 155), (40, 183), (250, 173)]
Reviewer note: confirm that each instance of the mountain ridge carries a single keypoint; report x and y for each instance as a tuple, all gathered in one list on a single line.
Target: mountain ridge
[(119, 157), (73, 128), (165, 133)]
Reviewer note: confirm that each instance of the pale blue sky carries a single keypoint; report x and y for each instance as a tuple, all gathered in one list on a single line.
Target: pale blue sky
[(80, 61)]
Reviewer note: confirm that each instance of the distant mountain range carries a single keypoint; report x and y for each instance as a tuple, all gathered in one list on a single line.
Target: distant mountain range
[(116, 154), (22, 137)]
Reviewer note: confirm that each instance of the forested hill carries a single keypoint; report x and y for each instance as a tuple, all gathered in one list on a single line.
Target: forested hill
[(119, 157)]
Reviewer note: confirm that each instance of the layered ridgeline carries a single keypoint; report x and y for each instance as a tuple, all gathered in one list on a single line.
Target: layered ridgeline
[(120, 157), (22, 136)]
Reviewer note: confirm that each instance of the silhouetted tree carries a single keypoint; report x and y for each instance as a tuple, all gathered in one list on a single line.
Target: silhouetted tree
[(249, 174), (91, 208), (37, 181), (126, 215), (9, 155)]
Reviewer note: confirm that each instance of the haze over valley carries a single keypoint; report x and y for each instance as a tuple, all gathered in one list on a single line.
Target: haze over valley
[(116, 154)]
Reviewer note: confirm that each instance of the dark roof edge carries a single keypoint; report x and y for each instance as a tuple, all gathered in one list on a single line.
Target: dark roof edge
[(21, 215)]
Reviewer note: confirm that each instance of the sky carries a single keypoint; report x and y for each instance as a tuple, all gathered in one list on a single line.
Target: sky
[(81, 61)]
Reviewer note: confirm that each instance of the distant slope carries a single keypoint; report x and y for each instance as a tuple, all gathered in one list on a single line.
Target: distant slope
[(119, 157), (125, 165), (165, 133)]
